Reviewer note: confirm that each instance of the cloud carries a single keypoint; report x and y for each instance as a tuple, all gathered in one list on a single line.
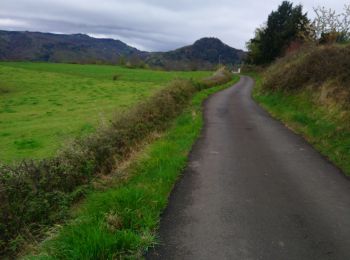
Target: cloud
[(146, 24), (12, 23)]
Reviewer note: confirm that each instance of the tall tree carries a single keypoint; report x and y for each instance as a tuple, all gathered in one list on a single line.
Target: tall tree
[(283, 26)]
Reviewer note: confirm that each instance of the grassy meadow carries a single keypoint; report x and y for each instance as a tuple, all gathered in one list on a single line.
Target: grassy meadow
[(44, 105)]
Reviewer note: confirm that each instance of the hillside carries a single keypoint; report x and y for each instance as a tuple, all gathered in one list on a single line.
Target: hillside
[(75, 48), (204, 53)]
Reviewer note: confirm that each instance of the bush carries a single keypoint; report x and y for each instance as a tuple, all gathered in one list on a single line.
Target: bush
[(221, 76), (250, 68), (37, 194), (313, 68)]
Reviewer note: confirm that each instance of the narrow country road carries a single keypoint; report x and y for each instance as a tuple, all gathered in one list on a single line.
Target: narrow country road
[(254, 190)]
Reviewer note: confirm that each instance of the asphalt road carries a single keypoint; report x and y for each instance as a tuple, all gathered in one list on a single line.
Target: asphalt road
[(254, 190)]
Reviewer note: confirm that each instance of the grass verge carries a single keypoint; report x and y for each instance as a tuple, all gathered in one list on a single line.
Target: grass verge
[(321, 126), (121, 222)]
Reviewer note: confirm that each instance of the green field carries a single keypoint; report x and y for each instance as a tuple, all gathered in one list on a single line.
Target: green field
[(43, 106)]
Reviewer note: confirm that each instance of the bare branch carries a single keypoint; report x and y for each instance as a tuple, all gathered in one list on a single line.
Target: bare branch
[(327, 21)]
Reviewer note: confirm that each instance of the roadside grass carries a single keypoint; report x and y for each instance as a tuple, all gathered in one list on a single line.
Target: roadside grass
[(43, 105), (327, 129), (120, 222)]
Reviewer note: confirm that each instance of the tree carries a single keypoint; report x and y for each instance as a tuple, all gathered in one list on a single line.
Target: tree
[(330, 26), (255, 55), (283, 27)]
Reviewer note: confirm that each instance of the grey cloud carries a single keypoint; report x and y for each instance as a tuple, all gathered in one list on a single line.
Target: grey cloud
[(147, 24)]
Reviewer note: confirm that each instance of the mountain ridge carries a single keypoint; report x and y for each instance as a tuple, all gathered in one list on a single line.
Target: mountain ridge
[(205, 53)]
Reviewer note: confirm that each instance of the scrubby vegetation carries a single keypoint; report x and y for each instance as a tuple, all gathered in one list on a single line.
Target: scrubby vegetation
[(42, 105), (36, 194), (324, 68), (310, 91)]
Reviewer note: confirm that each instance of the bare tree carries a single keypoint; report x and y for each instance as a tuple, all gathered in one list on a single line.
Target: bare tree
[(344, 24), (329, 22)]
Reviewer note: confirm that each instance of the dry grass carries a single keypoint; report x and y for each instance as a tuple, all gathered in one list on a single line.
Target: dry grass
[(325, 70)]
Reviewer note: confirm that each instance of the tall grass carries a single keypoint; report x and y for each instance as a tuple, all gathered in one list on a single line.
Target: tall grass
[(37, 194)]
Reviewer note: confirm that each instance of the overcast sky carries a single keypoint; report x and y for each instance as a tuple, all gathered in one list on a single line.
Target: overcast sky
[(152, 25)]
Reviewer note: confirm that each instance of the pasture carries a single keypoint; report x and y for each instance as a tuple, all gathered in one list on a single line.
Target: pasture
[(44, 105)]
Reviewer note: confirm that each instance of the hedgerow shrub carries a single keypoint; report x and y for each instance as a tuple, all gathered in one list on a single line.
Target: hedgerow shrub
[(36, 194), (218, 78)]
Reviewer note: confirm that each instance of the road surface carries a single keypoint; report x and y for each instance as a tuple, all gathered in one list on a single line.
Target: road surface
[(254, 190)]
